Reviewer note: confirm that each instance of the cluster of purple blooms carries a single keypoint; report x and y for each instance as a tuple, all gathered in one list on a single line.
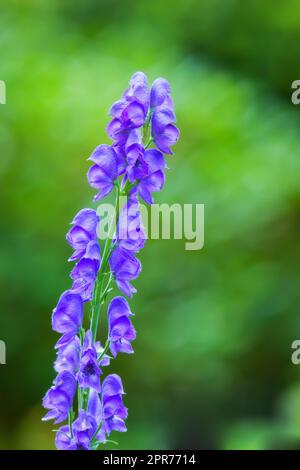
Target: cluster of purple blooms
[(142, 129)]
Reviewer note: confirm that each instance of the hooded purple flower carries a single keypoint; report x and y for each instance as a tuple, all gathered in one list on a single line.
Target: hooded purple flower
[(114, 412), (67, 316), (89, 371), (68, 357), (102, 175), (83, 430), (125, 267), (64, 440), (164, 132), (138, 90), (131, 235), (85, 272), (83, 231), (121, 331), (155, 179), (130, 112), (160, 93), (137, 167), (59, 398)]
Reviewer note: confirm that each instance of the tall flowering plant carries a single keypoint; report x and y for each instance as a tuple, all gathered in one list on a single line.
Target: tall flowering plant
[(142, 130)]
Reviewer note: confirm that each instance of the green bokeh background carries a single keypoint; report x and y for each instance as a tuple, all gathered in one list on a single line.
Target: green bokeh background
[(212, 364)]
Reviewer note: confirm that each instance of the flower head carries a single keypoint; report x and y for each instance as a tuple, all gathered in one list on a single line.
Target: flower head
[(114, 412), (125, 268), (130, 112), (58, 400), (131, 234), (164, 132), (85, 272), (89, 371), (103, 173), (68, 357), (83, 430), (121, 331), (67, 316), (84, 230)]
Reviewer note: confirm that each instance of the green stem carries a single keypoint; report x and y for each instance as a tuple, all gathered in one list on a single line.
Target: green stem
[(100, 290), (70, 421), (105, 349)]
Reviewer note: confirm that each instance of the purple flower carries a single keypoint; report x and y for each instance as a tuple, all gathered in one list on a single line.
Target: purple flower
[(164, 132), (59, 398), (114, 412), (125, 267), (138, 90), (89, 371), (121, 159), (64, 440), (112, 385), (131, 234), (83, 430), (136, 171), (67, 316), (83, 231), (160, 92), (85, 272), (137, 167), (68, 357), (102, 175), (130, 112), (155, 179), (121, 331)]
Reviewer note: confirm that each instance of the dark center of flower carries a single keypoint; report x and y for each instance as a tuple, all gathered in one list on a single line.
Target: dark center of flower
[(89, 369), (80, 447)]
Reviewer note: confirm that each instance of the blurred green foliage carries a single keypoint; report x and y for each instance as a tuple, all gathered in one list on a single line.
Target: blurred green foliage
[(212, 367)]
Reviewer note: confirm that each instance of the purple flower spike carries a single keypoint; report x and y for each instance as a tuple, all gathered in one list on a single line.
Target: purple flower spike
[(102, 175), (142, 128), (121, 331), (89, 372), (60, 397), (67, 316), (125, 267)]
